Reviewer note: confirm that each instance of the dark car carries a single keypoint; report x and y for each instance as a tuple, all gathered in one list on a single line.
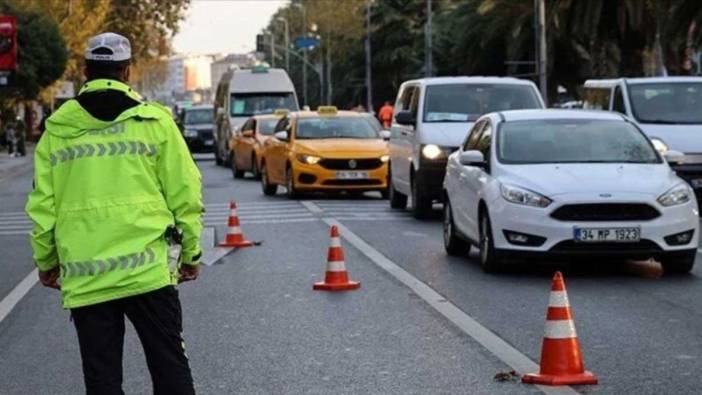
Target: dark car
[(197, 124)]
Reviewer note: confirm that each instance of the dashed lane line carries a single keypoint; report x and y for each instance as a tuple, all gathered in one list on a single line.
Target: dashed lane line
[(10, 301)]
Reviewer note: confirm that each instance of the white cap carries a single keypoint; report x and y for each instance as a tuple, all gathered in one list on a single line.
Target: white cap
[(108, 47)]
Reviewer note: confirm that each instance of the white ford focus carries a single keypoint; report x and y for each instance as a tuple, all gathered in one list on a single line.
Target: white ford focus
[(564, 183)]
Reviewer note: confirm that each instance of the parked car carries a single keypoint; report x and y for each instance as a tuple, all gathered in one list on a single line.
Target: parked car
[(667, 109), (247, 143), (432, 117), (197, 124), (245, 93), (566, 183)]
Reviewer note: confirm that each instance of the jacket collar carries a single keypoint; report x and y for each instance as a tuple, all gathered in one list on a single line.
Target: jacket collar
[(103, 84)]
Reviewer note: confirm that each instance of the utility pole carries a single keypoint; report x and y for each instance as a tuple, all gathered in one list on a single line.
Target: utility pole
[(542, 64), (428, 61), (272, 48), (369, 80), (287, 43), (304, 56), (329, 74)]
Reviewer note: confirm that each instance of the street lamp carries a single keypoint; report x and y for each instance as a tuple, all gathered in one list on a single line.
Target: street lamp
[(287, 42)]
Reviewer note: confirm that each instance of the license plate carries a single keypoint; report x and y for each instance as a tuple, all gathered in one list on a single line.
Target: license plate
[(351, 175), (209, 142), (696, 183), (599, 235)]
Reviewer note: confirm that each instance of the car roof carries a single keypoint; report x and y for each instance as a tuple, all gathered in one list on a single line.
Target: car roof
[(314, 114), (263, 117), (469, 80), (606, 83), (530, 115)]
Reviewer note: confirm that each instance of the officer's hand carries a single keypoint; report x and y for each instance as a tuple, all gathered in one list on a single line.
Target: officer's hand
[(188, 272), (50, 278)]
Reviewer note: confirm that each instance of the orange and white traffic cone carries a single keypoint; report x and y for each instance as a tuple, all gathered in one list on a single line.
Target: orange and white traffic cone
[(336, 277), (561, 360), (235, 238)]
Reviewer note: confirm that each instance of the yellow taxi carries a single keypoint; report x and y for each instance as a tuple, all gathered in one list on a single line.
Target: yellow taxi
[(325, 150), (246, 144)]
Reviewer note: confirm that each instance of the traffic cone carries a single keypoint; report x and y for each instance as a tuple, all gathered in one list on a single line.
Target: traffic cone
[(561, 360), (234, 236), (336, 277)]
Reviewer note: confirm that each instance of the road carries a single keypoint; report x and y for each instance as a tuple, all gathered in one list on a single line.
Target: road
[(422, 322)]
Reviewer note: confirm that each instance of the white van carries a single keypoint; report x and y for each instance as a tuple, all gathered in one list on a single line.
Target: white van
[(667, 109), (431, 119), (244, 93)]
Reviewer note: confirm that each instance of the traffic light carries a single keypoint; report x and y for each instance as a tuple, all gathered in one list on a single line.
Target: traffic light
[(8, 43), (260, 43)]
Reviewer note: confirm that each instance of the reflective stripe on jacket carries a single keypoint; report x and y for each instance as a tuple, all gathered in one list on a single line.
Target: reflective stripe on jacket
[(105, 193)]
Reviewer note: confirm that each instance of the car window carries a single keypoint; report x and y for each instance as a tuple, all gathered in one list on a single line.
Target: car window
[(266, 127), (485, 140), (246, 126), (597, 98), (253, 125), (414, 102), (618, 101), (405, 100), (473, 136), (282, 125)]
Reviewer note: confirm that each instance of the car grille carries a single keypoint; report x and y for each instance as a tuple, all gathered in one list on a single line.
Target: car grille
[(352, 182), (346, 164), (572, 246), (205, 134), (605, 212)]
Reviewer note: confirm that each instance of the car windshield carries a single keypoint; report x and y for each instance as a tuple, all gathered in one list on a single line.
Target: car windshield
[(193, 117), (335, 128), (267, 127), (667, 103), (373, 121), (248, 104), (573, 141), (467, 102)]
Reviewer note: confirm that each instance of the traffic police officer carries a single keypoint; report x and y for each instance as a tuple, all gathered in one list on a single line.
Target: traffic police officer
[(113, 178)]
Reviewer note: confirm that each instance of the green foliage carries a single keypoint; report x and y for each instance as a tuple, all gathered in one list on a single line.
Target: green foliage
[(42, 53)]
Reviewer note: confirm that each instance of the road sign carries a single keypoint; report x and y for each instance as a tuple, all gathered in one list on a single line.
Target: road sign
[(306, 42)]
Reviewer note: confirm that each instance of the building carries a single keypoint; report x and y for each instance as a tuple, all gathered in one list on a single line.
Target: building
[(230, 61)]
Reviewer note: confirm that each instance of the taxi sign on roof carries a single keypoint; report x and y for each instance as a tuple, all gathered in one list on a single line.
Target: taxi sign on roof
[(326, 110), (281, 112)]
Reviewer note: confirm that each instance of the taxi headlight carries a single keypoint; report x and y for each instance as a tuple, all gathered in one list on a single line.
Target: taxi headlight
[(385, 158), (659, 145), (677, 195), (431, 151), (190, 133), (524, 197), (308, 159)]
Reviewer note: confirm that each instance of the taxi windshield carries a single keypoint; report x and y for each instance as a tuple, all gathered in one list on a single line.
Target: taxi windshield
[(267, 127), (335, 128)]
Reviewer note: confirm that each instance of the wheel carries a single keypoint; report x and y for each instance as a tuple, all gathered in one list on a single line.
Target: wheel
[(255, 173), (218, 158), (453, 244), (235, 170), (385, 193), (290, 184), (268, 189), (488, 256), (421, 204), (680, 263), (397, 200)]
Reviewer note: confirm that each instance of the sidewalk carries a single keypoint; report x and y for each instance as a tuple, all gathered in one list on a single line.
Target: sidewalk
[(10, 166)]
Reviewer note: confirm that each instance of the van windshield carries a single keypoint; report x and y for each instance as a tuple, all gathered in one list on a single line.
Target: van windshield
[(467, 102), (248, 104), (667, 102)]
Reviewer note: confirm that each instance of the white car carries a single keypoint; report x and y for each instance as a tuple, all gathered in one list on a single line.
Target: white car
[(566, 183)]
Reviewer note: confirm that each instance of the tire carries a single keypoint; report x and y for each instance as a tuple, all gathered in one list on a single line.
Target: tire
[(680, 263), (235, 170), (385, 193), (291, 192), (397, 200), (421, 205), (268, 189), (255, 173), (453, 244), (218, 159), (489, 260)]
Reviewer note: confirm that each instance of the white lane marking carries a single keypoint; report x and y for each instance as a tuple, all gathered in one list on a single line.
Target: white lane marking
[(558, 299), (255, 204), (15, 222), (279, 221), (493, 343), (10, 301), (212, 255), (312, 207), (374, 218), (261, 216), (560, 329), (15, 232)]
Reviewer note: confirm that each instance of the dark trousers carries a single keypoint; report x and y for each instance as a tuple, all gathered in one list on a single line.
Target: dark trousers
[(157, 318)]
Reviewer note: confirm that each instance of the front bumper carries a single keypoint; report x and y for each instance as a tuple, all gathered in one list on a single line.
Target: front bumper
[(317, 178), (203, 142), (430, 177), (559, 234)]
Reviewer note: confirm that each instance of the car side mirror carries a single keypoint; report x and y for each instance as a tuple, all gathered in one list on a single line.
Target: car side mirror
[(248, 133), (405, 118), (674, 157), (472, 158), (385, 134), (282, 136)]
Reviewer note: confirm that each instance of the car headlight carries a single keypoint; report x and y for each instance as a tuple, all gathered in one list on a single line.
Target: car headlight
[(308, 159), (677, 195), (431, 151), (522, 196), (190, 133), (385, 158), (659, 145)]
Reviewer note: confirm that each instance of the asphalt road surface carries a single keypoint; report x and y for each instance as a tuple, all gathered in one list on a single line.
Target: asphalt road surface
[(422, 322)]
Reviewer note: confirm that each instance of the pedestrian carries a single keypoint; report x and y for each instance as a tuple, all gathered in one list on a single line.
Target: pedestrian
[(116, 194), (385, 114), (11, 139), (20, 146)]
